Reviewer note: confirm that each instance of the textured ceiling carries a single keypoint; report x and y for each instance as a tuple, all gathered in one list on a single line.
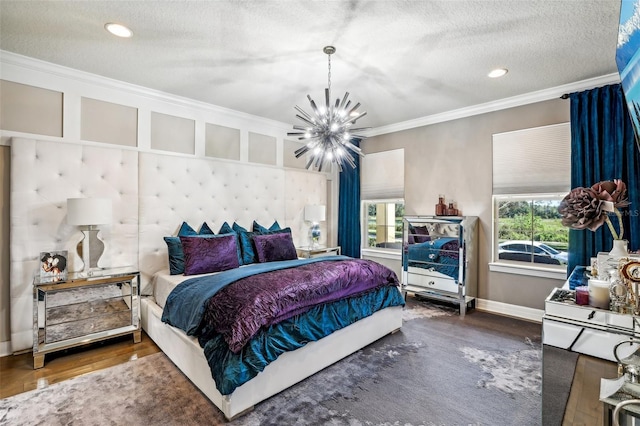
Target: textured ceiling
[(401, 59)]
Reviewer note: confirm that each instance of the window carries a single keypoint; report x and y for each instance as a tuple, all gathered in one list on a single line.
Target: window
[(531, 175), (382, 208), (383, 224), (529, 229)]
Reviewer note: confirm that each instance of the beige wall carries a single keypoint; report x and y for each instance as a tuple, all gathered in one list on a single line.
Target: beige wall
[(454, 158), (5, 167), (108, 123), (30, 109)]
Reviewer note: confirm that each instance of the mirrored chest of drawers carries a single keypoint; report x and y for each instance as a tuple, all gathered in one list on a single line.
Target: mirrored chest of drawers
[(439, 258), (83, 309)]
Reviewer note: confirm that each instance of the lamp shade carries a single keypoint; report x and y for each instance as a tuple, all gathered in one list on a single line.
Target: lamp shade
[(88, 211), (314, 213)]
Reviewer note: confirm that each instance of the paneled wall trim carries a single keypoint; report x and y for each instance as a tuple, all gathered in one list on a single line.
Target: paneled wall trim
[(164, 122)]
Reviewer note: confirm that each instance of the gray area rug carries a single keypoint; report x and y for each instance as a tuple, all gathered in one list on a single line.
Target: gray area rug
[(439, 370)]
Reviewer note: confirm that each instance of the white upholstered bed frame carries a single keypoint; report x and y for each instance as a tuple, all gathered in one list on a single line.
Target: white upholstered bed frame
[(152, 195)]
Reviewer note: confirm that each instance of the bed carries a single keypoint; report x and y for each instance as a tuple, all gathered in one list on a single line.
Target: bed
[(259, 369), (243, 194)]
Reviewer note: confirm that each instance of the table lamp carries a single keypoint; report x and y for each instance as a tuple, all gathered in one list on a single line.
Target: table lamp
[(87, 213), (315, 214)]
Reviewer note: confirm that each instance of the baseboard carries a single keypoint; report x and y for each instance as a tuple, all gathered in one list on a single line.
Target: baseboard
[(5, 348), (517, 311)]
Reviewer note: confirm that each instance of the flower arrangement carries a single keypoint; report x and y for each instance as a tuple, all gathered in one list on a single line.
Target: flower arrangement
[(587, 208)]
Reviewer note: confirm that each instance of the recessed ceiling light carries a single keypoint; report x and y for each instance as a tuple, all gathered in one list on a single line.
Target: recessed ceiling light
[(498, 72), (118, 30)]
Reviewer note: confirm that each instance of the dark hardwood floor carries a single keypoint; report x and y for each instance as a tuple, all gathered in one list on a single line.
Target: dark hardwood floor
[(17, 374)]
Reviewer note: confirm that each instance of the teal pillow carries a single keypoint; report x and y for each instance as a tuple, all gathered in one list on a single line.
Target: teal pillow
[(186, 230), (259, 228), (205, 230), (176, 255), (238, 228), (225, 229)]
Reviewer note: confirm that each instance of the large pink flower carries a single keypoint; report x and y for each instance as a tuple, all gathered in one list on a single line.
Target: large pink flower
[(580, 209), (614, 191)]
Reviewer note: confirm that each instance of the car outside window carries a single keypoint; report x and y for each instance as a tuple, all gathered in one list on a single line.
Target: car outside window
[(529, 231)]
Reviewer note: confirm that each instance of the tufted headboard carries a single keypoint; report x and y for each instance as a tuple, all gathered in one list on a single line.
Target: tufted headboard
[(43, 176), (152, 194), (196, 190)]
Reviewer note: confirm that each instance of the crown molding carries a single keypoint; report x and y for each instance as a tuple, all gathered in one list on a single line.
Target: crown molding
[(514, 101), (25, 62), (21, 61)]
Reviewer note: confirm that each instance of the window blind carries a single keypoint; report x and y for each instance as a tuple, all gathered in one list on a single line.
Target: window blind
[(382, 175), (532, 161)]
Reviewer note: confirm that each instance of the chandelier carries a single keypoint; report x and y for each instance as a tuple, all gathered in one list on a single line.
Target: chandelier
[(328, 128)]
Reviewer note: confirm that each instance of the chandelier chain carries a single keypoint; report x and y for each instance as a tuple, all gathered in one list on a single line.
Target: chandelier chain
[(329, 76)]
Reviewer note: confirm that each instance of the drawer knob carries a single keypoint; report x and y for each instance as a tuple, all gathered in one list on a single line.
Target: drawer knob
[(592, 314), (432, 283)]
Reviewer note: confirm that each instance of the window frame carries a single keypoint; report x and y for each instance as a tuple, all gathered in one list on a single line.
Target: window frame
[(519, 267), (364, 232)]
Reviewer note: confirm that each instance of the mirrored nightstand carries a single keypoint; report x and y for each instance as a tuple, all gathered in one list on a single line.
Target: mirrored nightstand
[(83, 309)]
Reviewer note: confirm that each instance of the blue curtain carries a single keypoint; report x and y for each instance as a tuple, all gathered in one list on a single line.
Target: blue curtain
[(603, 147), (349, 208)]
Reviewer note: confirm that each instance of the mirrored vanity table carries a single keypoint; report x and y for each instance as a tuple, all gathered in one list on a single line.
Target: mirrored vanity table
[(84, 308)]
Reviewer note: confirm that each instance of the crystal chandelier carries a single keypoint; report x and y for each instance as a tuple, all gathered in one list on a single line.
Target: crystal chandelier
[(328, 128)]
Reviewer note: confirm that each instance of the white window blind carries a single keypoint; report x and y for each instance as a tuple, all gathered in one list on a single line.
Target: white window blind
[(382, 175), (532, 161)]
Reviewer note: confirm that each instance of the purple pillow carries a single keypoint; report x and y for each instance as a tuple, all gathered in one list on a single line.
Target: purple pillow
[(274, 247), (421, 234), (213, 254)]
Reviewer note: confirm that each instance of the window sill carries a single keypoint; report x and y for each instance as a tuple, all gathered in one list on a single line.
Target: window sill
[(383, 253), (532, 271)]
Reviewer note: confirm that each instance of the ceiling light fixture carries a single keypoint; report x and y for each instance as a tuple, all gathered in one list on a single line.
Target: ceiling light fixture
[(498, 72), (118, 30), (328, 128)]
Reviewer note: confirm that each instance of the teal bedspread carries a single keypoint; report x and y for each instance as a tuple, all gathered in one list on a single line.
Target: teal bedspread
[(230, 370)]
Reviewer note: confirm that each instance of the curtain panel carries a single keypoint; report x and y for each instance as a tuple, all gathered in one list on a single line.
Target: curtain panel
[(349, 208), (603, 147)]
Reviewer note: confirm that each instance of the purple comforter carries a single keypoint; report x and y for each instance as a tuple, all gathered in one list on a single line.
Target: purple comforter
[(239, 310)]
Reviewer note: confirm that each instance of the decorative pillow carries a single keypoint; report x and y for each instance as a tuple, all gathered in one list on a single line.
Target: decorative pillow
[(205, 230), (247, 246), (259, 228), (213, 254), (186, 230), (174, 247), (238, 228), (225, 229), (274, 247), (421, 234), (176, 255)]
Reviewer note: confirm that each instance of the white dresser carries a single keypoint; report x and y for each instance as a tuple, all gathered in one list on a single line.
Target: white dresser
[(585, 329)]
